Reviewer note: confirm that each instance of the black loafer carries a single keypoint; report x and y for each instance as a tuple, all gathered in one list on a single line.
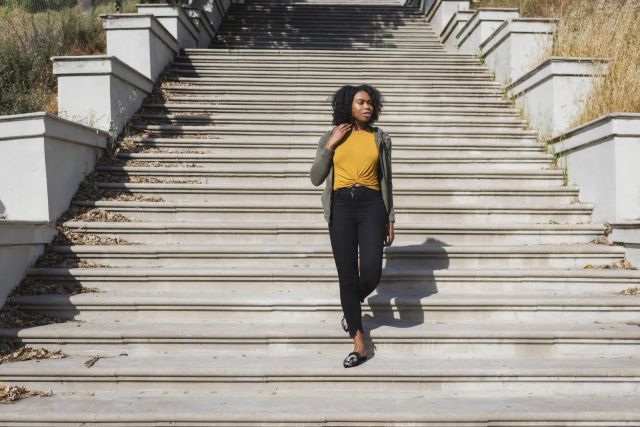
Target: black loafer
[(353, 359)]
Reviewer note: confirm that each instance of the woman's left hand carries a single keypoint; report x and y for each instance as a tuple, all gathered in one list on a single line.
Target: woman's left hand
[(390, 234)]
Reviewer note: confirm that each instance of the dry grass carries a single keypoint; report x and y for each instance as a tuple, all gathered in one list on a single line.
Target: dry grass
[(28, 40), (594, 28)]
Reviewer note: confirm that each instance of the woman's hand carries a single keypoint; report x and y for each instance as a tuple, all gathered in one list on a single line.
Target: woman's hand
[(390, 234), (338, 135)]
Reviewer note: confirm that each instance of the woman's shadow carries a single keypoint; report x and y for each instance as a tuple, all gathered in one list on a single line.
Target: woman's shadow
[(407, 277)]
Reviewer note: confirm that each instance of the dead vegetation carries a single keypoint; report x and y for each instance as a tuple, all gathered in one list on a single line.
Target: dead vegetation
[(68, 237), (13, 393), (630, 292), (31, 286), (623, 264), (57, 260), (14, 352), (12, 317), (92, 215)]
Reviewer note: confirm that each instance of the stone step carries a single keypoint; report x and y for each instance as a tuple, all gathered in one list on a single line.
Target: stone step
[(306, 199), (196, 75), (293, 371), (389, 121), (416, 280), (184, 66), (225, 209), (267, 30), (316, 232), (310, 305), (323, 108), (456, 342), (301, 89), (246, 98), (304, 54), (320, 408), (425, 256), (470, 82), (405, 180), (450, 163), (447, 137), (307, 147)]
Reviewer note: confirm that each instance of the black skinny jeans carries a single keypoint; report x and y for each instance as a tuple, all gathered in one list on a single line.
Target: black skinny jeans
[(358, 220)]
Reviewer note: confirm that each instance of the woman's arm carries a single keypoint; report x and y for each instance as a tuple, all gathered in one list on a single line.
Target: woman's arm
[(322, 163), (324, 154), (391, 225)]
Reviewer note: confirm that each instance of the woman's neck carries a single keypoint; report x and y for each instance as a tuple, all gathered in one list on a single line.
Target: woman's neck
[(358, 126)]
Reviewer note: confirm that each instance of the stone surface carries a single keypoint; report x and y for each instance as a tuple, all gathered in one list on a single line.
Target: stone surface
[(499, 301)]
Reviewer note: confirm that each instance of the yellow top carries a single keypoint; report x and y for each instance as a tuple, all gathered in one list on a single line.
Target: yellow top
[(355, 161)]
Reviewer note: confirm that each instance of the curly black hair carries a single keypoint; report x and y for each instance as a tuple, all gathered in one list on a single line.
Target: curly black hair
[(343, 98)]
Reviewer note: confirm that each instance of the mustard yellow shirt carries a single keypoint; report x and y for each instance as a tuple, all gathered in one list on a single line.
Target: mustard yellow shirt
[(355, 161)]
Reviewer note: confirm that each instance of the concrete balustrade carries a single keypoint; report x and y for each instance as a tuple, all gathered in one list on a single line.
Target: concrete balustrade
[(99, 91), (517, 46), (44, 159), (21, 243), (552, 95), (140, 41), (206, 32), (441, 11), (449, 34), (481, 26), (215, 10), (601, 157), (627, 233), (175, 20)]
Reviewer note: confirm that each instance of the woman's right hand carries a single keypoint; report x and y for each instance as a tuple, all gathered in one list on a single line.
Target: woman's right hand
[(338, 135)]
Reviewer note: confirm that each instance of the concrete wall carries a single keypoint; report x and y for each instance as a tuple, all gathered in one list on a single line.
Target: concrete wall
[(441, 11), (449, 35), (99, 91), (602, 159), (206, 32), (21, 243), (175, 20), (141, 42), (44, 160), (553, 95), (481, 26), (517, 46)]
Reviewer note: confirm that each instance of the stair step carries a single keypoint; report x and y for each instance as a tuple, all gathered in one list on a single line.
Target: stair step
[(316, 232), (389, 121), (253, 279), (454, 341), (307, 198), (217, 211), (316, 306), (525, 179), (268, 373), (423, 256), (324, 408)]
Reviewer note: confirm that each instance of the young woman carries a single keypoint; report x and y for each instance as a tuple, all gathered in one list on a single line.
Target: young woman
[(355, 159)]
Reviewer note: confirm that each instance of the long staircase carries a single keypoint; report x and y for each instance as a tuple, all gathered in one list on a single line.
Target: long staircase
[(217, 299)]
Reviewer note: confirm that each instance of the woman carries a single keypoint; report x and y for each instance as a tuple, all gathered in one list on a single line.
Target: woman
[(355, 159)]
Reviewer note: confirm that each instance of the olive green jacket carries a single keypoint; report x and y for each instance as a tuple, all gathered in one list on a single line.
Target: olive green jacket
[(323, 169)]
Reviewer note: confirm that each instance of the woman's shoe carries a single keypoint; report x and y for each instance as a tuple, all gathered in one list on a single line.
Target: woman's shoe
[(343, 322), (353, 359)]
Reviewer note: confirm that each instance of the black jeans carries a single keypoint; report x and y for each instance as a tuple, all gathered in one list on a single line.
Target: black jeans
[(358, 220)]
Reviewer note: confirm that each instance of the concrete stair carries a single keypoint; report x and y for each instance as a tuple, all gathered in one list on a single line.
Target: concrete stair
[(498, 305)]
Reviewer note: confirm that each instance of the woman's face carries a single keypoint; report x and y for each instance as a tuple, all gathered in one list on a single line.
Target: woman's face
[(362, 107)]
